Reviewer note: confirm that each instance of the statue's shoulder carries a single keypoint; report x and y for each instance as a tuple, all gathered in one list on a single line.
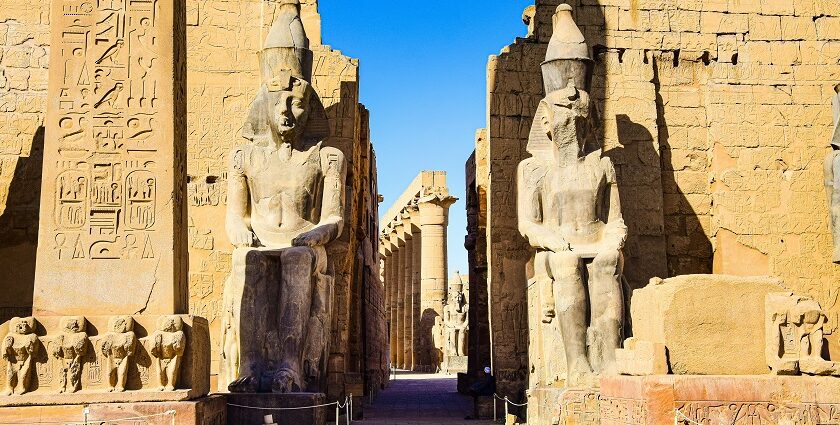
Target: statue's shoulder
[(532, 170), (240, 157)]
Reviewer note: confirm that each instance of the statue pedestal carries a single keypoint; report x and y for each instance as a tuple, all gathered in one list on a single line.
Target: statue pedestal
[(455, 364), (576, 406), (205, 411), (761, 399), (243, 415)]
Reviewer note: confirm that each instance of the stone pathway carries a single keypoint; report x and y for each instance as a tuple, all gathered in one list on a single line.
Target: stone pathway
[(420, 399)]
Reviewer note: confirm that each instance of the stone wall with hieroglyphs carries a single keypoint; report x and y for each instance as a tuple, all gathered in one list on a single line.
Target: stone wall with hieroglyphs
[(717, 115), (223, 37)]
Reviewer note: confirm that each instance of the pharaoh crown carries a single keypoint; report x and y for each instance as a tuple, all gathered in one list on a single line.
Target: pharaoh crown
[(286, 51), (567, 60)]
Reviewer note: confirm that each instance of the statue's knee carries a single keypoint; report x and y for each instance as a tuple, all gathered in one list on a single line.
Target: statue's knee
[(298, 255), (564, 260), (607, 263)]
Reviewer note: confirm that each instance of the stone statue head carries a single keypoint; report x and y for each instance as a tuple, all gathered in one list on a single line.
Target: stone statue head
[(567, 118), (170, 323), (289, 107), (74, 324), (121, 324), (23, 325)]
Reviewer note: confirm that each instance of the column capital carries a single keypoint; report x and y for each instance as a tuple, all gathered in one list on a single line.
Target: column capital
[(434, 209)]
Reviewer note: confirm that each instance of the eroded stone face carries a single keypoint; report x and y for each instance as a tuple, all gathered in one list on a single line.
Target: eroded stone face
[(569, 211), (285, 205)]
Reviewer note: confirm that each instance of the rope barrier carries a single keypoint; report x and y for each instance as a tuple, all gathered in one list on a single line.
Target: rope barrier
[(97, 421), (347, 406)]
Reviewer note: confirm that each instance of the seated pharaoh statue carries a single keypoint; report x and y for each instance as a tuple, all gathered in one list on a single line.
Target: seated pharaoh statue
[(569, 211), (285, 204)]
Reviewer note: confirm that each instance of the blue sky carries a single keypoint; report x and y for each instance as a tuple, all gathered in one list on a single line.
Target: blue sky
[(423, 78)]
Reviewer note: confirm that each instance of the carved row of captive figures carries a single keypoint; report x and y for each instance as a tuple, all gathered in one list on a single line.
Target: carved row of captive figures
[(21, 348)]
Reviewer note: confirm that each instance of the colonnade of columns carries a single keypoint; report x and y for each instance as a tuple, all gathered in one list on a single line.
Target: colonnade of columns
[(413, 251)]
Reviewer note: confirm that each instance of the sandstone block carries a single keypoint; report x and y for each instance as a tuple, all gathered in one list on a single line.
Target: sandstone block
[(765, 399), (641, 358), (238, 411), (767, 28), (96, 374), (711, 324)]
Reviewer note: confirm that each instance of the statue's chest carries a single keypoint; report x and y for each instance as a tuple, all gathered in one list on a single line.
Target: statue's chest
[(296, 175), (578, 183)]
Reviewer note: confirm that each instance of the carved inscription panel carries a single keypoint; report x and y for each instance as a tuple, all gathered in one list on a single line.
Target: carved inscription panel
[(111, 186)]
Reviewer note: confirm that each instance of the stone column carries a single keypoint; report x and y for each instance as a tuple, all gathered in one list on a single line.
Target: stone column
[(392, 278), (400, 282), (421, 345), (385, 253), (408, 331), (433, 218), (113, 223)]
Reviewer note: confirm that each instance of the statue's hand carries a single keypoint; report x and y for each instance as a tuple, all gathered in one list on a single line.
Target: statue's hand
[(555, 244), (310, 239), (241, 237)]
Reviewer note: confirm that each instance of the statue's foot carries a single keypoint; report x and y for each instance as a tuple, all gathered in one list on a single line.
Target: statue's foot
[(169, 388), (119, 389), (7, 392), (581, 375), (245, 384), (286, 381)]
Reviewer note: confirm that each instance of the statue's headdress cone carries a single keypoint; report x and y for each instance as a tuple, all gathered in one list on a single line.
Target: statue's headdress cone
[(567, 60), (286, 51)]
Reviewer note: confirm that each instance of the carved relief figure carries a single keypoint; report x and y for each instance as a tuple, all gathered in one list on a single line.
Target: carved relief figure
[(118, 347), (832, 175), (285, 201), (794, 335), (569, 211), (168, 346), (70, 347), (455, 318), (19, 347)]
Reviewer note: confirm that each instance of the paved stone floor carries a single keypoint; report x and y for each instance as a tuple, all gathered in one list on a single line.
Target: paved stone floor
[(420, 399)]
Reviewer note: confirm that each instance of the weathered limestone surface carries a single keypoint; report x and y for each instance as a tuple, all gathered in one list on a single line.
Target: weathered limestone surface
[(795, 336), (112, 199), (207, 411), (761, 400), (478, 343), (414, 243), (570, 213), (716, 116), (77, 369), (223, 38), (695, 315)]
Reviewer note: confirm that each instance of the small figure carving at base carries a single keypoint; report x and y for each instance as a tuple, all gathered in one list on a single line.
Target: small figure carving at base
[(169, 345), (794, 335), (455, 319), (119, 346), (70, 347), (19, 347)]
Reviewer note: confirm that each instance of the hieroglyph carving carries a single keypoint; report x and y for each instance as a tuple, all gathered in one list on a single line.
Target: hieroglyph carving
[(285, 204), (118, 347), (832, 175), (570, 213), (794, 336), (756, 413), (169, 343), (106, 186), (70, 348), (20, 346)]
